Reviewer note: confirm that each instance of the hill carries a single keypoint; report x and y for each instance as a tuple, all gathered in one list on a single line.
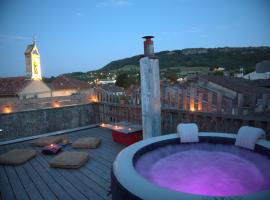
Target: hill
[(183, 62), (229, 58)]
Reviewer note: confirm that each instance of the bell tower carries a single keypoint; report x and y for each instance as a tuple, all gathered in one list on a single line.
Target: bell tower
[(32, 61)]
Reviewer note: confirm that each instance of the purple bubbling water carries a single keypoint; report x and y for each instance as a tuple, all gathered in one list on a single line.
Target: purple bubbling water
[(206, 169)]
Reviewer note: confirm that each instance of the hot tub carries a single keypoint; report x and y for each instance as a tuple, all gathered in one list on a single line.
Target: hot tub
[(133, 177)]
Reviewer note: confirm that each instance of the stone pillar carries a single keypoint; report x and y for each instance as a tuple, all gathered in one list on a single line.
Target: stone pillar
[(200, 102), (150, 92), (219, 102), (209, 101)]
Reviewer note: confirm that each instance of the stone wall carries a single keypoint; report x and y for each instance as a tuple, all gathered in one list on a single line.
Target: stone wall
[(35, 122), (17, 105)]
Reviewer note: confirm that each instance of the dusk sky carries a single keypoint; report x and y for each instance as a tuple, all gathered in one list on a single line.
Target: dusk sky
[(84, 35)]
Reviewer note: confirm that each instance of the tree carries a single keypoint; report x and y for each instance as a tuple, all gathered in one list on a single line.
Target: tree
[(122, 80), (218, 73), (171, 76)]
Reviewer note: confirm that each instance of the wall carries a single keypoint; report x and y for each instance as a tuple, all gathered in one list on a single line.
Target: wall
[(40, 121), (67, 92), (28, 123), (38, 88), (39, 103)]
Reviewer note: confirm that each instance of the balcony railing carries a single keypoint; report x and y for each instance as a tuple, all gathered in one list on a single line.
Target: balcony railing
[(39, 121)]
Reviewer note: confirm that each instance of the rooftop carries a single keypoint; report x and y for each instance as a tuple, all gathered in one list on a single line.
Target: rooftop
[(13, 85), (65, 82), (237, 84), (36, 180)]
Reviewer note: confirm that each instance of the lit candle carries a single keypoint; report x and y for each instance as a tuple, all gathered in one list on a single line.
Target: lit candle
[(7, 109), (56, 104)]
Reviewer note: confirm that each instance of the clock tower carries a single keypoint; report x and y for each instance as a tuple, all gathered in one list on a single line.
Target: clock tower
[(32, 60)]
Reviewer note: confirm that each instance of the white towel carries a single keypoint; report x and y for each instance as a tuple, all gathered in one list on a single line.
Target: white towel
[(188, 132), (247, 136)]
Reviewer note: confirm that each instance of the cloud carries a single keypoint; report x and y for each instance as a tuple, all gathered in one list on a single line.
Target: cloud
[(79, 14), (13, 37), (113, 3)]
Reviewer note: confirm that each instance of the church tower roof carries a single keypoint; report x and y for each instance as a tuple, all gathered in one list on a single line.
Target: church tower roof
[(29, 48)]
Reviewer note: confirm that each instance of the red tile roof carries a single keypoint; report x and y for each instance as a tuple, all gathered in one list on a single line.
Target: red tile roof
[(13, 85), (65, 82)]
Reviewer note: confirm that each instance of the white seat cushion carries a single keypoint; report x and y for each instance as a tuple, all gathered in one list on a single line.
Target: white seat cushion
[(188, 132), (247, 136)]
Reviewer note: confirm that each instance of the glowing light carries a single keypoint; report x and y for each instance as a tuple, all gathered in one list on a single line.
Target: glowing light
[(7, 109), (51, 145), (102, 125), (199, 106), (35, 65), (191, 104), (65, 141), (93, 98), (56, 104), (129, 129)]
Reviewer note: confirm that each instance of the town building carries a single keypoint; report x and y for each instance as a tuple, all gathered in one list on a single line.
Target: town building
[(29, 86), (66, 86), (262, 71)]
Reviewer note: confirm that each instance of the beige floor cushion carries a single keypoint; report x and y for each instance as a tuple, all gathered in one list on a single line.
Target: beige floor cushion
[(44, 141), (69, 160), (17, 156), (87, 142)]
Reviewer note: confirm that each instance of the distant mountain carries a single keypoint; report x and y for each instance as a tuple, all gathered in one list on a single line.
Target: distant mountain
[(227, 57), (182, 62)]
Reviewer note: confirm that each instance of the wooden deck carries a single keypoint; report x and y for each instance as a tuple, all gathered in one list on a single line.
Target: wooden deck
[(36, 180)]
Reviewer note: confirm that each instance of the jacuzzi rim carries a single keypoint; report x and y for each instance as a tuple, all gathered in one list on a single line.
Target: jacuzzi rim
[(137, 186)]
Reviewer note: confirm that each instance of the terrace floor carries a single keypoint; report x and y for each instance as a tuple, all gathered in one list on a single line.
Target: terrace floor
[(36, 180)]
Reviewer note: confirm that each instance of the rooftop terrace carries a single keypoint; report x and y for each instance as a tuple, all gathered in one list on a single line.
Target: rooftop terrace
[(36, 180)]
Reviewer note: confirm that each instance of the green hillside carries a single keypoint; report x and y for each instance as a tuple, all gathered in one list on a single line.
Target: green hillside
[(229, 58), (182, 63)]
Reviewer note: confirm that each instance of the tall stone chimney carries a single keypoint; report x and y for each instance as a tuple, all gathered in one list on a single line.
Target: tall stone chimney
[(150, 90), (148, 46)]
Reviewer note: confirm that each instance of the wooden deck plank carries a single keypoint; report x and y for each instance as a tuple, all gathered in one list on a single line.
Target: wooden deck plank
[(92, 181), (67, 186), (79, 185), (88, 187), (52, 184), (48, 180), (98, 179), (17, 187), (6, 188), (30, 188), (34, 176), (92, 185)]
